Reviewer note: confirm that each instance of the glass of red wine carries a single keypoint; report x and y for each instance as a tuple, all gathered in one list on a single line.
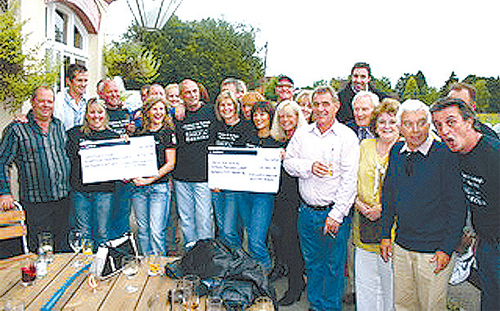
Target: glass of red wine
[(28, 272)]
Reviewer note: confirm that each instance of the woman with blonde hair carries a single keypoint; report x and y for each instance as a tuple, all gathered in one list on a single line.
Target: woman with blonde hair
[(304, 101), (289, 260), (287, 119), (373, 276), (151, 195), (93, 203)]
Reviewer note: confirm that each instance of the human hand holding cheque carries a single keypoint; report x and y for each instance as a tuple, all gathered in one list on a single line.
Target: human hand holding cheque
[(244, 169), (118, 159)]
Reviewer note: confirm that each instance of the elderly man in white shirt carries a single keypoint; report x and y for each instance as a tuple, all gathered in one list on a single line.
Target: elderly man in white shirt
[(324, 155)]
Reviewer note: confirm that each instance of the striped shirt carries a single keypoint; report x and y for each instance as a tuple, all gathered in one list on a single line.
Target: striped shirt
[(41, 160)]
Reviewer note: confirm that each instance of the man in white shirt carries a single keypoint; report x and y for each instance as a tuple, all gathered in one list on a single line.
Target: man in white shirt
[(70, 103), (325, 156)]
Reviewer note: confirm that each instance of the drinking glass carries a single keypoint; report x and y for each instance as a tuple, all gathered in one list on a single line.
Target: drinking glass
[(87, 249), (178, 296), (75, 238), (154, 264), (130, 266), (46, 246), (94, 276), (28, 272)]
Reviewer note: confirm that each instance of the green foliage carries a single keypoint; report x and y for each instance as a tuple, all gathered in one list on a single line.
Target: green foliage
[(383, 84), (452, 79), (207, 51), (320, 83), (20, 73), (482, 95), (336, 83), (411, 90), (131, 61), (270, 89)]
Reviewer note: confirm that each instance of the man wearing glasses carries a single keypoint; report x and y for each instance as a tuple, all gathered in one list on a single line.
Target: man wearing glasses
[(284, 89)]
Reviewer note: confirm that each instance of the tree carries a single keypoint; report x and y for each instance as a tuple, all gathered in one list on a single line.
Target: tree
[(411, 90), (336, 83), (320, 83), (482, 96), (452, 79), (207, 51), (131, 61), (401, 84), (383, 84), (20, 72), (270, 89), (421, 82)]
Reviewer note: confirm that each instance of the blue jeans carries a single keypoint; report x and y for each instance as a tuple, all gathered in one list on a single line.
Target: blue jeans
[(194, 201), (325, 259), (151, 206), (93, 214), (219, 204), (488, 264), (121, 210), (255, 210)]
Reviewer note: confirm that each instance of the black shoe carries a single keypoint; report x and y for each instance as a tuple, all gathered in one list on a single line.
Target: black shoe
[(292, 295), (278, 272)]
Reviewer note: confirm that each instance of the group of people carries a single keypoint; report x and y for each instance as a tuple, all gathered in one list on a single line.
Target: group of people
[(398, 180)]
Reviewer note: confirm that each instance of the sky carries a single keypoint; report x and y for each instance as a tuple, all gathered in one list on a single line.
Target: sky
[(320, 39)]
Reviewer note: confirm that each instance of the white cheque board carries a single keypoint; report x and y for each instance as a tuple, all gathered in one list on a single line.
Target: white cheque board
[(244, 169), (118, 159)]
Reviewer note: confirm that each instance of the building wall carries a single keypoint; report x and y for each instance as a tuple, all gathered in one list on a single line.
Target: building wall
[(93, 12)]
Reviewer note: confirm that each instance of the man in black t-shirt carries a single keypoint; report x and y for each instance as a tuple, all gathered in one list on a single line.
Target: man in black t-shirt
[(479, 156), (120, 123), (194, 134)]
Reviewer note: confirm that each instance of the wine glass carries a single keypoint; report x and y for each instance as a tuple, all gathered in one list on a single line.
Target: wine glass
[(94, 276), (130, 266), (75, 238)]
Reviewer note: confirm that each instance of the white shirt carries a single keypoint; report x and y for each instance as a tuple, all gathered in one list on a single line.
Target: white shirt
[(339, 146), (66, 109), (423, 148)]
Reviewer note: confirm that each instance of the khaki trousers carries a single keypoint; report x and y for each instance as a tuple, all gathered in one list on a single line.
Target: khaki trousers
[(416, 286)]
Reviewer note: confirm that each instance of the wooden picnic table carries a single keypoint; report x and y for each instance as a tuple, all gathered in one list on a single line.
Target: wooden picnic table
[(110, 294)]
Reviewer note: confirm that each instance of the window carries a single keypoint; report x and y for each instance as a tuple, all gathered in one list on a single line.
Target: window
[(67, 38), (60, 27), (78, 40)]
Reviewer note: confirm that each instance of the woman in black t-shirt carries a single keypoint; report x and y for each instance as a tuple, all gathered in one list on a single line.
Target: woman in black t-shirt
[(151, 195), (93, 203)]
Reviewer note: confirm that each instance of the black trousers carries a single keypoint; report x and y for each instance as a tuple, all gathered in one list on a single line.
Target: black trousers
[(284, 229), (48, 216)]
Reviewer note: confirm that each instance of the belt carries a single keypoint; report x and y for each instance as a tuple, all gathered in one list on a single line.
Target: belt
[(320, 207)]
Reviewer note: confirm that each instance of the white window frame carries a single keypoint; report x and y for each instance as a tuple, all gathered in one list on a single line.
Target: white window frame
[(57, 51)]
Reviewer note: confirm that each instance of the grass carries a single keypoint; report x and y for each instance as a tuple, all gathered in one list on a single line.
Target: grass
[(491, 118)]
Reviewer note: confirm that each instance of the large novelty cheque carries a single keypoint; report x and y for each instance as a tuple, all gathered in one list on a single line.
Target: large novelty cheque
[(118, 159), (244, 169)]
